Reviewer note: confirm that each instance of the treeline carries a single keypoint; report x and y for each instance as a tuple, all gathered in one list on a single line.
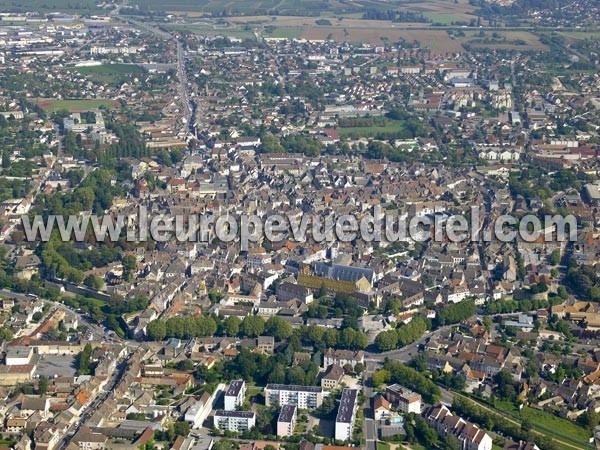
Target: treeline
[(181, 328), (321, 338), (356, 122), (455, 313), (252, 326), (468, 409), (396, 372), (401, 336), (395, 16), (513, 306)]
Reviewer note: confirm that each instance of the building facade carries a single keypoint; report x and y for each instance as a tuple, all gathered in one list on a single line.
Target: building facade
[(304, 397)]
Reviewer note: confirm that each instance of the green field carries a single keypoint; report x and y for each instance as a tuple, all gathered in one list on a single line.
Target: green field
[(286, 32), (45, 6), (110, 73), (579, 35), (390, 126), (207, 30), (76, 105), (549, 421), (445, 19), (243, 7)]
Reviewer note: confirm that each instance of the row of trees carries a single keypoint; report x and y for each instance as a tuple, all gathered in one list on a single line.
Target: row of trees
[(181, 327), (513, 306)]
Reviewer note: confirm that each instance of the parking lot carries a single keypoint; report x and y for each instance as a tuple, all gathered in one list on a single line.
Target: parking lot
[(56, 365)]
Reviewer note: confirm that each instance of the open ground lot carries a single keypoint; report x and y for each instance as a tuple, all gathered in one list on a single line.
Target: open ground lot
[(437, 11), (56, 365), (75, 105)]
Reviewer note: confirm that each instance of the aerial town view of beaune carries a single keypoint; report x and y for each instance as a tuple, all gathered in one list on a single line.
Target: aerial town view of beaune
[(299, 224)]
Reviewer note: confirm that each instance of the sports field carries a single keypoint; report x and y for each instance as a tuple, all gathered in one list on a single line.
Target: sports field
[(76, 105)]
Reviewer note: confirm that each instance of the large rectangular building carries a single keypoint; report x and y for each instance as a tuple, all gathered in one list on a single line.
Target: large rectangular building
[(304, 397), (234, 395), (344, 421), (234, 421), (286, 422)]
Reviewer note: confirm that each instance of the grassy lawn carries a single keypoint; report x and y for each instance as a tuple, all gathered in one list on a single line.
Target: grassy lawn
[(390, 126), (251, 391), (506, 406), (547, 423), (594, 35), (286, 32), (383, 446), (75, 105), (110, 73), (558, 424), (368, 131), (445, 19)]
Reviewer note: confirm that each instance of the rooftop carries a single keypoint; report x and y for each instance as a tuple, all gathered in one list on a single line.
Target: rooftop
[(347, 404)]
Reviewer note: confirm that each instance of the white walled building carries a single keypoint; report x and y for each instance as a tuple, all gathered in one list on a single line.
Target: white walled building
[(234, 396), (286, 422), (344, 421), (234, 421), (304, 397)]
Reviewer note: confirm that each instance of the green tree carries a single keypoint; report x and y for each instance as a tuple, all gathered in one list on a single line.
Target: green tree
[(156, 330), (231, 326), (386, 340), (84, 360), (252, 326), (555, 257), (129, 263), (181, 429), (43, 385), (94, 282), (278, 328)]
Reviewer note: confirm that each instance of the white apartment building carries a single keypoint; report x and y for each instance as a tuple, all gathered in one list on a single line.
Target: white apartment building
[(286, 422), (234, 395), (234, 421), (304, 397), (344, 421)]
